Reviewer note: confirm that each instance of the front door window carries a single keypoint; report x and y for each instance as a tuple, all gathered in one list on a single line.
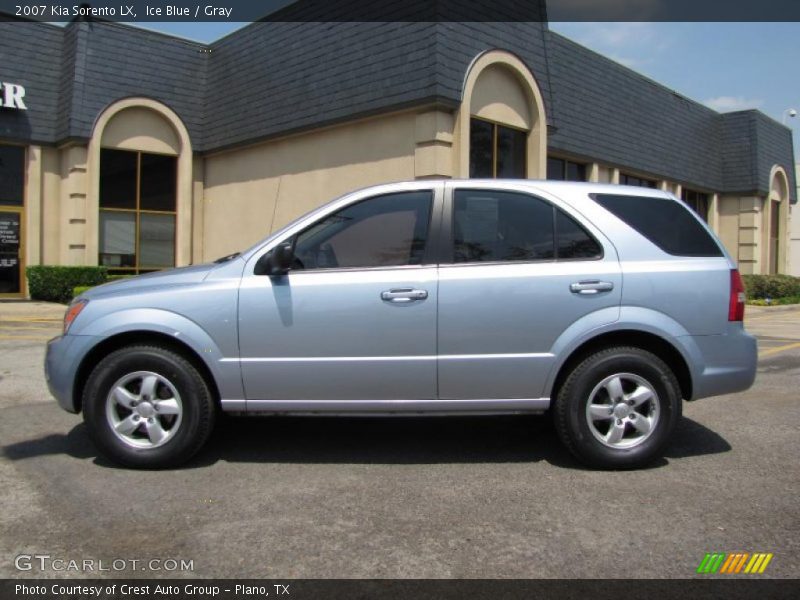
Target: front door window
[(387, 231)]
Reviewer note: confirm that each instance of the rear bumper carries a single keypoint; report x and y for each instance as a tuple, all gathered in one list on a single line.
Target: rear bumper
[(728, 362), (62, 359)]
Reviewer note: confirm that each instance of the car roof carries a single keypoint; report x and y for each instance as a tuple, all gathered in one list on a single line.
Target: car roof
[(572, 188)]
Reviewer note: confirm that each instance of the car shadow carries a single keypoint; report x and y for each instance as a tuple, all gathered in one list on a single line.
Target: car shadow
[(693, 439), (367, 440), (76, 444), (375, 440)]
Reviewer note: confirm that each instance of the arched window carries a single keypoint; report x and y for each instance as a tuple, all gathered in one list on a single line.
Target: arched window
[(775, 220), (140, 194), (501, 122)]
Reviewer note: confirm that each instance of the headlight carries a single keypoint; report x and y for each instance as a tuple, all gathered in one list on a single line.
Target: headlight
[(72, 313)]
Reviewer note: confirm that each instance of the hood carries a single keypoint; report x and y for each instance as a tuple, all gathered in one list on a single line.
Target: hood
[(155, 281)]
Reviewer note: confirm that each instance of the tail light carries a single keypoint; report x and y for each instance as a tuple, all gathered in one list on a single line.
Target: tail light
[(736, 305)]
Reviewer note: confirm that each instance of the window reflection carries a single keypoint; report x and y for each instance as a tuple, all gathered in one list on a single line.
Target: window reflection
[(496, 151)]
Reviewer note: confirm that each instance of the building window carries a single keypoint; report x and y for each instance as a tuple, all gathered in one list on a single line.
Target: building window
[(774, 236), (12, 175), (496, 151), (697, 201), (137, 211), (12, 195), (626, 179), (559, 169)]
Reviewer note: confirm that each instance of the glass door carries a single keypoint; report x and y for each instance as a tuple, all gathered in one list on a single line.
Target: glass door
[(12, 194), (10, 252)]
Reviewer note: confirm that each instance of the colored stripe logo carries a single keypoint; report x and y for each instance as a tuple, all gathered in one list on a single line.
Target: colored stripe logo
[(734, 563)]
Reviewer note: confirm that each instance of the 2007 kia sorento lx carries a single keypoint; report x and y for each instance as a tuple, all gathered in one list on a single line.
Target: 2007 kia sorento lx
[(609, 304)]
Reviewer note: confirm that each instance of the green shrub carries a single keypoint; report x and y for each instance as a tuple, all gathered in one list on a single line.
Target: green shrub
[(771, 286), (77, 291), (56, 283)]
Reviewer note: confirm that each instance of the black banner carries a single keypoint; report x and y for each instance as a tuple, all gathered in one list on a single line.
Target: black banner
[(401, 10), (732, 588)]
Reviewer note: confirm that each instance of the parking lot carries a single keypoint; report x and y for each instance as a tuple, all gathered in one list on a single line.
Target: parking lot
[(383, 498)]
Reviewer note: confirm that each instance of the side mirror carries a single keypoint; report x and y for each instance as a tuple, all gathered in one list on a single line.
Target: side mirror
[(277, 261)]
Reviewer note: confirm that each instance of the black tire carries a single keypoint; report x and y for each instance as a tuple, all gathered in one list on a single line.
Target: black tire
[(197, 407), (570, 411)]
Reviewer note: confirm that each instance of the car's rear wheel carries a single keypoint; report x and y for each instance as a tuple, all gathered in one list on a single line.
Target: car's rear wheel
[(618, 408), (147, 407)]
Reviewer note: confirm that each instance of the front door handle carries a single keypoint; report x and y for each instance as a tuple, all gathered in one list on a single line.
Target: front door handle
[(403, 295), (591, 287)]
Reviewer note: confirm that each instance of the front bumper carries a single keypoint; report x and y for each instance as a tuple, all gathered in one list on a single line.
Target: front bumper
[(61, 362)]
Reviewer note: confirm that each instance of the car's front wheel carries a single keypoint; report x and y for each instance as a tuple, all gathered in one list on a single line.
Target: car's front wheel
[(147, 407), (618, 408)]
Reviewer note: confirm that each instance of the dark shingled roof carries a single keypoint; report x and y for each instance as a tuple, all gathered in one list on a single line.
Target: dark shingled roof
[(608, 112), (282, 77), (273, 78), (31, 55), (604, 109)]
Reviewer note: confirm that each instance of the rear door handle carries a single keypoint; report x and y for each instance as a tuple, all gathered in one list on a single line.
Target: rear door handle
[(591, 287), (403, 295)]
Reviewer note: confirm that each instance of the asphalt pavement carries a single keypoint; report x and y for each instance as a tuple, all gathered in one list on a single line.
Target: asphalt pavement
[(471, 497)]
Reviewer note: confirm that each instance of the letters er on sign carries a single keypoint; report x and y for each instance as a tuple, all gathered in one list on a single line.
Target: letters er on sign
[(11, 95)]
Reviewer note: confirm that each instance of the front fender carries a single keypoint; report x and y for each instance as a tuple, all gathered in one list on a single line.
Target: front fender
[(227, 375)]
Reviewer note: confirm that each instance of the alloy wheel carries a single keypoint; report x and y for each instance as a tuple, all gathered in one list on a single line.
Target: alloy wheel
[(622, 411), (144, 409)]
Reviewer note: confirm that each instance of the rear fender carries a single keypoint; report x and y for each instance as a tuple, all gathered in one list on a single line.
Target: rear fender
[(631, 318)]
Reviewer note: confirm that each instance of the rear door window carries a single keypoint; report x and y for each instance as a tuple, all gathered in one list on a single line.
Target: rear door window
[(666, 223), (493, 226), (500, 226), (573, 242)]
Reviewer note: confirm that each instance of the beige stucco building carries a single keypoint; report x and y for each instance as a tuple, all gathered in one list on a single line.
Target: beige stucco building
[(181, 159)]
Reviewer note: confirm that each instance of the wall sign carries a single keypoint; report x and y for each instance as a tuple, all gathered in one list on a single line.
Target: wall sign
[(9, 232), (11, 96)]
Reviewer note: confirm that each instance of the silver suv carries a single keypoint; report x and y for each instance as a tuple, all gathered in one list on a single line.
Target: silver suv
[(606, 304)]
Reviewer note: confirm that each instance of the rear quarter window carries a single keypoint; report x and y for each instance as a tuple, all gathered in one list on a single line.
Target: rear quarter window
[(666, 223)]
